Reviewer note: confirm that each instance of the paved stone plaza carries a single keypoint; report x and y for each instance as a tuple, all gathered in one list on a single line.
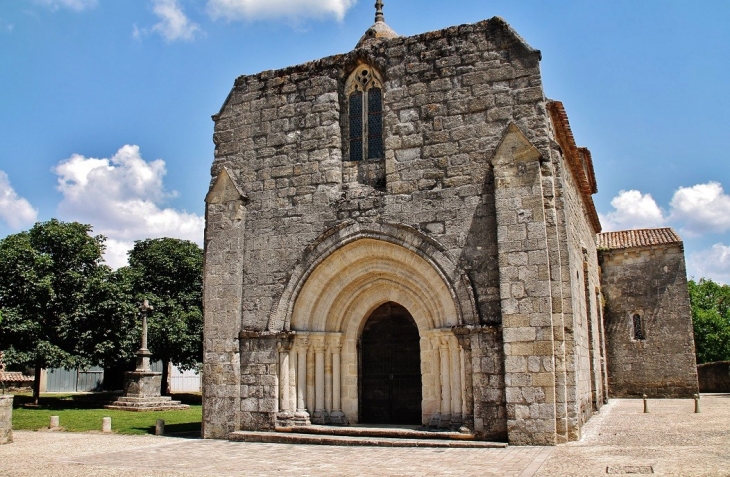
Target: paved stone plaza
[(670, 440)]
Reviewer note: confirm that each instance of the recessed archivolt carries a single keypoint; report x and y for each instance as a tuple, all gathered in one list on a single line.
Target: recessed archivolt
[(391, 252), (372, 272)]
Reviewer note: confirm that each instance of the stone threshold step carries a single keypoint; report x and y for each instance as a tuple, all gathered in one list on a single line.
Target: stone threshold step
[(385, 431), (330, 440)]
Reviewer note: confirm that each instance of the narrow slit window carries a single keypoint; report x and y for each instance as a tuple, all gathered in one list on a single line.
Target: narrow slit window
[(638, 323)]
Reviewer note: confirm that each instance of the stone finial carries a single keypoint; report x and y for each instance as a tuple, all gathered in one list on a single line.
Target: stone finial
[(379, 17), (380, 29)]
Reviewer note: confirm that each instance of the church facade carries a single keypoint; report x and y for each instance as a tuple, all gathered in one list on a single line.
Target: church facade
[(405, 234)]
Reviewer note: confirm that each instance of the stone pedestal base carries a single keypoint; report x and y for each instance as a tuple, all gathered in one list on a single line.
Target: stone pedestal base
[(284, 419), (6, 419), (301, 418), (320, 417), (338, 418), (142, 393)]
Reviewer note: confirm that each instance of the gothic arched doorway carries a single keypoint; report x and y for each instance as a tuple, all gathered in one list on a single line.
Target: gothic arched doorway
[(390, 368)]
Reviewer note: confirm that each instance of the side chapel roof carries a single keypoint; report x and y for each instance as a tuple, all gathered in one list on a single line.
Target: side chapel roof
[(579, 160), (624, 239)]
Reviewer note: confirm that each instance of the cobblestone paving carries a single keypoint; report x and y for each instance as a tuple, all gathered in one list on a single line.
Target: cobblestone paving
[(670, 440)]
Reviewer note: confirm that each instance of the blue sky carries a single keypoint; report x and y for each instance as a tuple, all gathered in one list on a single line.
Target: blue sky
[(105, 105)]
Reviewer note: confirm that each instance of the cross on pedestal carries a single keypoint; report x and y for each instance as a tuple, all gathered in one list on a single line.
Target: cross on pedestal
[(143, 354)]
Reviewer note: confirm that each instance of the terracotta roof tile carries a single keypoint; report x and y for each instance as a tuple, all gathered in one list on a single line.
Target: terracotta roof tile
[(14, 376), (636, 238), (579, 160)]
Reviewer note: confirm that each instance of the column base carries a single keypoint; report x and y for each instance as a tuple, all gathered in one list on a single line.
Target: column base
[(284, 419), (435, 420), (338, 418), (320, 416), (456, 421), (445, 421), (301, 418)]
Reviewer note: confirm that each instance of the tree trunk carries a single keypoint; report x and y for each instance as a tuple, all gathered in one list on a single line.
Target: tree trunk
[(37, 384), (165, 385)]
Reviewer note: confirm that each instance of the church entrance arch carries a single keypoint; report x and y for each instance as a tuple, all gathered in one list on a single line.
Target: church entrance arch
[(342, 304), (390, 368)]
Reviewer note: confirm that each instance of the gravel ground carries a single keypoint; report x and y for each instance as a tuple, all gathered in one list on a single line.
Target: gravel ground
[(621, 439)]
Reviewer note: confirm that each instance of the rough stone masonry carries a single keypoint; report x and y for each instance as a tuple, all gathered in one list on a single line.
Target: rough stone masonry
[(428, 174)]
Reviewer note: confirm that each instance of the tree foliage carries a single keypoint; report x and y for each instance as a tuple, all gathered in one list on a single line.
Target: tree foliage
[(169, 274), (47, 278), (710, 303)]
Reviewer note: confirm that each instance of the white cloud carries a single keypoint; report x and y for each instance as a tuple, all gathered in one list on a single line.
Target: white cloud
[(711, 263), (173, 24), (122, 197), (78, 5), (14, 210), (632, 210), (267, 9), (702, 208)]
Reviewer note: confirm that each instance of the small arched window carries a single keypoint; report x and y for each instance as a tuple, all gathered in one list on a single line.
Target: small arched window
[(364, 90), (638, 323)]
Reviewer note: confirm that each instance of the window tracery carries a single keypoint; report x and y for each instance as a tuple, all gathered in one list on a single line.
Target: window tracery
[(364, 90)]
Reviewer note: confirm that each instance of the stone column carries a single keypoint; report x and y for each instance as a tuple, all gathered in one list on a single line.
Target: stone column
[(301, 416), (456, 383), (337, 417), (285, 412), (320, 415), (310, 379), (445, 382), (292, 378), (435, 342), (328, 377)]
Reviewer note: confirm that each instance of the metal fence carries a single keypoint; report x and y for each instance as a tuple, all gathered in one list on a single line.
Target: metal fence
[(74, 380), (92, 380)]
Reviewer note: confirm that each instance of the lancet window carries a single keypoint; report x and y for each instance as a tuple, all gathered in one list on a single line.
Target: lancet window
[(364, 90)]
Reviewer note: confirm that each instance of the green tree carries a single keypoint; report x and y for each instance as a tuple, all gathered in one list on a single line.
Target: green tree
[(710, 303), (169, 273), (47, 275)]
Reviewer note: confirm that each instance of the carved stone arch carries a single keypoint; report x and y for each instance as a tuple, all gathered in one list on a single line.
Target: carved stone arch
[(403, 250), (362, 78)]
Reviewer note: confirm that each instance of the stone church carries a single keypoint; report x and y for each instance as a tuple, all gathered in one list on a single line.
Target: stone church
[(405, 234)]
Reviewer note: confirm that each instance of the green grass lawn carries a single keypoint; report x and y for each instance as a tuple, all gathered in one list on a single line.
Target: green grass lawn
[(84, 412)]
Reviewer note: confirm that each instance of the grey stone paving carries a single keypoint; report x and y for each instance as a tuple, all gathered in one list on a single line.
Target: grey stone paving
[(670, 440)]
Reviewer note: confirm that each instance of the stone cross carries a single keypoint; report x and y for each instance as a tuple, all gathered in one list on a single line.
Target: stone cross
[(379, 17), (143, 354)]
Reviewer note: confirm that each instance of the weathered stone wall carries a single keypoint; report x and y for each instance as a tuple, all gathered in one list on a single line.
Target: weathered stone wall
[(581, 310), (651, 282), (714, 377), (6, 418), (487, 362), (450, 99), (259, 381)]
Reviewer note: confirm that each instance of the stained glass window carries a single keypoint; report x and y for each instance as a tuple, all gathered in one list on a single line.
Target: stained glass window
[(356, 126), (375, 123)]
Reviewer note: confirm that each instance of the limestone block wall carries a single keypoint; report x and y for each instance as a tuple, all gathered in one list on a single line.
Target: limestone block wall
[(714, 377), (450, 97), (583, 325), (650, 282)]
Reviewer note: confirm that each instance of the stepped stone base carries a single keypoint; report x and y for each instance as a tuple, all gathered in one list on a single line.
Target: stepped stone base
[(377, 437), (159, 403), (142, 393)]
